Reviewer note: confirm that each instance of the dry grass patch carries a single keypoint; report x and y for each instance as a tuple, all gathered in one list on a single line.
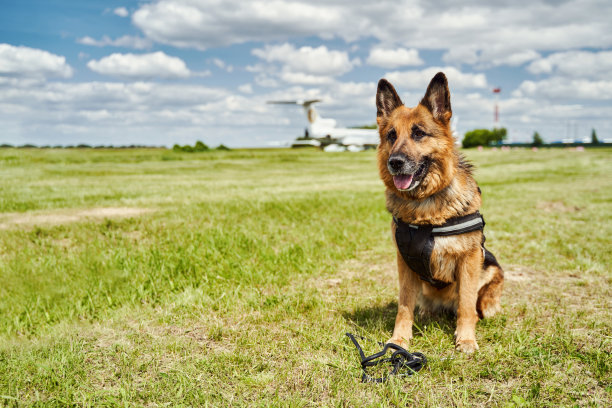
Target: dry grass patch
[(518, 273), (557, 206), (32, 219)]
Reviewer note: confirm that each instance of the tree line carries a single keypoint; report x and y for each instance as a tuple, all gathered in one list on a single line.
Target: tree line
[(198, 147), (492, 137), (78, 146)]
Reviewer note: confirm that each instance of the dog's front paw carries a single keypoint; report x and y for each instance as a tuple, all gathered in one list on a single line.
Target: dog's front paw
[(466, 346), (402, 342)]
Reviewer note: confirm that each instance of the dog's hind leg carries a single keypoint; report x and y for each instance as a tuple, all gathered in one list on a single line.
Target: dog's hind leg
[(468, 277), (490, 292)]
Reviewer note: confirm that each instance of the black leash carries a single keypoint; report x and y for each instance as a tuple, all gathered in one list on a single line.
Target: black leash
[(402, 362)]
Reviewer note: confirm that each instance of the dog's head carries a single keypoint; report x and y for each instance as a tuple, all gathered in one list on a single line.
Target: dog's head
[(415, 155)]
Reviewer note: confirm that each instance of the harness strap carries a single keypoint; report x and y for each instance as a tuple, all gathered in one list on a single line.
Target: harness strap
[(453, 226)]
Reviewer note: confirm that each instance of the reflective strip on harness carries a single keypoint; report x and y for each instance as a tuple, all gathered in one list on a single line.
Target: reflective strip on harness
[(472, 224), (458, 227)]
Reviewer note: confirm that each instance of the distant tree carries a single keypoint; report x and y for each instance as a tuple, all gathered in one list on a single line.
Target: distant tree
[(200, 147), (594, 139), (537, 140), (499, 135), (476, 137), (5, 145), (83, 146), (222, 147), (484, 137)]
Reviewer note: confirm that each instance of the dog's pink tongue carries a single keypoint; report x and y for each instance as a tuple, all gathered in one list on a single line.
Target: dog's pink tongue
[(402, 182)]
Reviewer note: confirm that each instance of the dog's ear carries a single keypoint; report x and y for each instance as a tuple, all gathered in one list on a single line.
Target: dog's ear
[(437, 98), (386, 99)]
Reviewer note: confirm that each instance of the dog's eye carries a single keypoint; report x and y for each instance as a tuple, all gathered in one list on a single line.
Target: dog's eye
[(418, 133), (391, 136)]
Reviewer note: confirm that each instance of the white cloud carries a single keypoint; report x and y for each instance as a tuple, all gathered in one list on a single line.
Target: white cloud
[(246, 88), (577, 64), (205, 24), (153, 65), (305, 65), (219, 63), (556, 88), (201, 74), (492, 56), (420, 79), (308, 60), (126, 41), (393, 58), (266, 81), (31, 62), (508, 32), (512, 59), (121, 12), (306, 79), (463, 54)]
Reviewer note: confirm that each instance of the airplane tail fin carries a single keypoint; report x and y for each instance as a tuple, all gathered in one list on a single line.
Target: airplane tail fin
[(309, 110), (454, 130)]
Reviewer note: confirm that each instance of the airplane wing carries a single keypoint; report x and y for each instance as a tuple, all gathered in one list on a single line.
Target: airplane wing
[(282, 102), (302, 103)]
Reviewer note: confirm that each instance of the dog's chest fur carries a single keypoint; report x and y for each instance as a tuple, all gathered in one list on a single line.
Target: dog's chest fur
[(460, 197), (449, 250)]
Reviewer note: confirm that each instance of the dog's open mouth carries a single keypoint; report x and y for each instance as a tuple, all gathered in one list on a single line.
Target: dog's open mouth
[(407, 182)]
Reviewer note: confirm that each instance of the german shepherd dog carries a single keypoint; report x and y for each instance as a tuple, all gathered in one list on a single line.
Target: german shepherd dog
[(428, 182)]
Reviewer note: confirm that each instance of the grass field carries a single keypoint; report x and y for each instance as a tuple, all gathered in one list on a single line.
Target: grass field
[(154, 278)]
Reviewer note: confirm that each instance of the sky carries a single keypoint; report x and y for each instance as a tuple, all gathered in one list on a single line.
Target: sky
[(176, 71)]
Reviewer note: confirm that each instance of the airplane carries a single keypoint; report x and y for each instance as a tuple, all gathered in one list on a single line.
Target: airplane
[(322, 132)]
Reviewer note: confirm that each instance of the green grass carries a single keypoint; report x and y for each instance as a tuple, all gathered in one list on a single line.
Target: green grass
[(238, 284)]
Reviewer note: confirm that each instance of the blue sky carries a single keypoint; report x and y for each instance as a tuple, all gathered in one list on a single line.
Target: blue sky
[(175, 71)]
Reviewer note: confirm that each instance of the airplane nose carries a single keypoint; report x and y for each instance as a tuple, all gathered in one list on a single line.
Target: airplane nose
[(396, 162)]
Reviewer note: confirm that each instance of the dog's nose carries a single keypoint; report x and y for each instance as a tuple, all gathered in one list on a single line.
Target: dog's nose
[(396, 162)]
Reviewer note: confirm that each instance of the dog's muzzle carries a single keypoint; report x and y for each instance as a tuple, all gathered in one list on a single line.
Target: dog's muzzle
[(400, 164), (407, 174)]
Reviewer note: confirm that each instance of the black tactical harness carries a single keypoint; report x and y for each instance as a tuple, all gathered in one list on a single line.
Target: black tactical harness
[(416, 242)]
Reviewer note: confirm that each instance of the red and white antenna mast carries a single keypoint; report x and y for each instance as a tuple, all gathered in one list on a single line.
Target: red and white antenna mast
[(496, 91)]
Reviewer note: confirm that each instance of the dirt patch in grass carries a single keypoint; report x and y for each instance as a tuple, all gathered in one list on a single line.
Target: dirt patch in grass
[(30, 219), (556, 206), (518, 273)]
